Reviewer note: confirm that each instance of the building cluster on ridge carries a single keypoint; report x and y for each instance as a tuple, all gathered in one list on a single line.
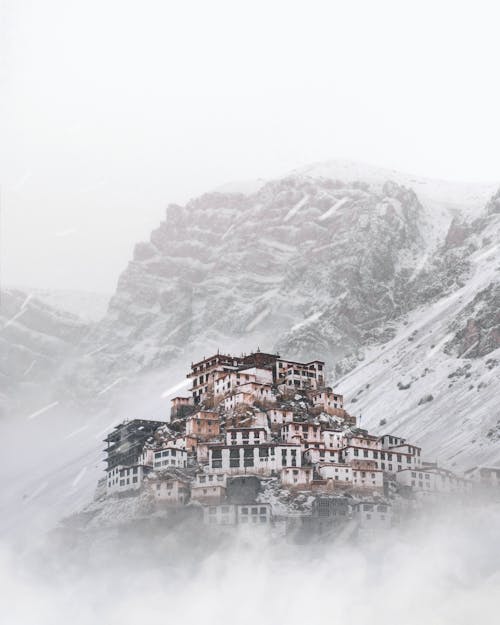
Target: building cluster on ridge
[(256, 424)]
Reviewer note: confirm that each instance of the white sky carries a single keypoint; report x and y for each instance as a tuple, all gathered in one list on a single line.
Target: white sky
[(110, 110)]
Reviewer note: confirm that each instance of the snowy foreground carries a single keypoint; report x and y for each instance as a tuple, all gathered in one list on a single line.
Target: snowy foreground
[(445, 570)]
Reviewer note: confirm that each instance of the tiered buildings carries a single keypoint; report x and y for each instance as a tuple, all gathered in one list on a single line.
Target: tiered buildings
[(256, 419)]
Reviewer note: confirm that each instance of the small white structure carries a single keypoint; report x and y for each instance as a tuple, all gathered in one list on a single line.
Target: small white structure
[(121, 479), (488, 477), (242, 514), (433, 480), (315, 455), (337, 472), (329, 401), (224, 514), (296, 477), (230, 382), (388, 460), (334, 439), (365, 476), (169, 488), (256, 513), (390, 440), (238, 399), (299, 375), (372, 515), (208, 488), (278, 416), (170, 457), (246, 436), (301, 432)]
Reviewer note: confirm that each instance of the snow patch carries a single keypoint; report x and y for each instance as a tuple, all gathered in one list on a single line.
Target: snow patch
[(333, 209)]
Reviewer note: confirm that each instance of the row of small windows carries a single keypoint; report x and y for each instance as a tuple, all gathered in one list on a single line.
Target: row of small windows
[(203, 478), (167, 453), (383, 455), (167, 463)]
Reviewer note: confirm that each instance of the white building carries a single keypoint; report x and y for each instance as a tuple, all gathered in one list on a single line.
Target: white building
[(169, 488), (278, 416), (264, 459), (238, 399), (204, 373), (390, 440), (334, 439), (386, 460), (314, 455), (224, 514), (433, 480), (299, 375), (372, 515), (301, 432), (170, 457), (328, 400), (337, 472), (208, 488), (246, 436), (366, 476), (296, 477), (121, 479), (254, 514), (249, 393), (488, 477), (238, 514), (230, 382)]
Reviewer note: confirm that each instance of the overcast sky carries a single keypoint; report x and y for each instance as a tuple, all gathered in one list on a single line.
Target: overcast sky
[(112, 109)]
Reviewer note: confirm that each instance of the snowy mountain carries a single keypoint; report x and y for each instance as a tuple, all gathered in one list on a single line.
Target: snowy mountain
[(392, 279)]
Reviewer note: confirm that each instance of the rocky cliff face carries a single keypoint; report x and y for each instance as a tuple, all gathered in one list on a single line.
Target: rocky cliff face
[(322, 263), (312, 267)]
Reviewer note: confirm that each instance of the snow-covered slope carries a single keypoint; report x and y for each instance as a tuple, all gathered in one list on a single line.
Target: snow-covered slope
[(412, 386), (466, 198)]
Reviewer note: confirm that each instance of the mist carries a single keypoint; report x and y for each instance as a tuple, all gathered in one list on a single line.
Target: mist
[(112, 110), (442, 569)]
